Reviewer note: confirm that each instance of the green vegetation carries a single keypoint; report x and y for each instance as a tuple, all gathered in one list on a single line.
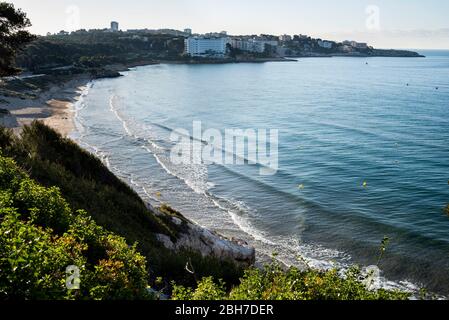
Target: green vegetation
[(274, 283), (12, 36), (84, 51), (40, 235), (86, 184)]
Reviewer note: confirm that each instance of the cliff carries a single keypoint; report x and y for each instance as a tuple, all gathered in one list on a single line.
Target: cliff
[(208, 243), (166, 238)]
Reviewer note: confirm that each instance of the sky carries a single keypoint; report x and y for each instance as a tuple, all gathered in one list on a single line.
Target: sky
[(418, 24)]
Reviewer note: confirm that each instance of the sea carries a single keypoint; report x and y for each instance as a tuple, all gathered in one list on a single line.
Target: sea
[(362, 175)]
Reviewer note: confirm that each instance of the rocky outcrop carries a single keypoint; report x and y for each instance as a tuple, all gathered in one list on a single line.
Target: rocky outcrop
[(395, 53), (105, 74), (209, 243)]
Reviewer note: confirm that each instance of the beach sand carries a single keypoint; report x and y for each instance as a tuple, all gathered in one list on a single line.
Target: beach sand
[(54, 107)]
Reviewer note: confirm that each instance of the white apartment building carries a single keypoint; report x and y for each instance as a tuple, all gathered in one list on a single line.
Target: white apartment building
[(325, 44), (285, 38), (206, 46), (253, 45)]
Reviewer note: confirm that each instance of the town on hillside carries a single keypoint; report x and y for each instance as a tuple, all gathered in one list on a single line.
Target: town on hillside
[(219, 45), (104, 53)]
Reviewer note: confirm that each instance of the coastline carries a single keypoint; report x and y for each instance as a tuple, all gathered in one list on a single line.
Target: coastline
[(249, 237), (53, 106), (57, 112)]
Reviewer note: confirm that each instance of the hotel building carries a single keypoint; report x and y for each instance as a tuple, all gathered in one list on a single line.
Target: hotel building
[(206, 46)]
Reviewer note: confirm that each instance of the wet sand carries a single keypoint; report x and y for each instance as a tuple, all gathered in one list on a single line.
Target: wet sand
[(54, 107)]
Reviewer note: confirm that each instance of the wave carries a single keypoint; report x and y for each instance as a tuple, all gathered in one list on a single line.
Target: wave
[(197, 174), (217, 147), (195, 177), (78, 106)]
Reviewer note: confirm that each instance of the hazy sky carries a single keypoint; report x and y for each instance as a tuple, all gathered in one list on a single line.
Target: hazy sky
[(382, 23)]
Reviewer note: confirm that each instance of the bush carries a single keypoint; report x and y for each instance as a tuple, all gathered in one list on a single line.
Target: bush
[(40, 236), (86, 184), (273, 283), (33, 261), (43, 206)]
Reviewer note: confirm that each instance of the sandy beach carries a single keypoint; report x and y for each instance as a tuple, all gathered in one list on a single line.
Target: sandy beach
[(54, 107)]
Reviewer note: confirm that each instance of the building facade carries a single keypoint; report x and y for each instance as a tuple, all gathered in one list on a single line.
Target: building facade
[(114, 26), (206, 46), (325, 44), (355, 44), (285, 38), (253, 45)]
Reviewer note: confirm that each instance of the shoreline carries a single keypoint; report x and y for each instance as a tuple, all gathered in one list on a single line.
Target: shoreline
[(262, 255), (58, 113), (54, 107)]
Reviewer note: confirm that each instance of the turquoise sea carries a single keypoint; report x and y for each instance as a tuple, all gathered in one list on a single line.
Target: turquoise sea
[(363, 154)]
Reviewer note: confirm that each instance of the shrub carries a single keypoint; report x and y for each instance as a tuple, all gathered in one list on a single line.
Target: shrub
[(273, 283), (40, 236), (33, 261), (207, 290), (43, 206), (86, 184)]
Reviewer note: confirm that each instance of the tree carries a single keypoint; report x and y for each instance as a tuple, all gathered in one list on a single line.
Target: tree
[(13, 37)]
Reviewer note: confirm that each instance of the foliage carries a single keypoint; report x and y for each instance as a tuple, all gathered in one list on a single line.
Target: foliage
[(12, 36), (274, 283), (84, 50), (86, 184), (40, 236), (207, 290), (32, 260)]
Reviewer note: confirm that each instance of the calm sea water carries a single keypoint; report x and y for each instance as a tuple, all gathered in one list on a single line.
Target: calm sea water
[(342, 123)]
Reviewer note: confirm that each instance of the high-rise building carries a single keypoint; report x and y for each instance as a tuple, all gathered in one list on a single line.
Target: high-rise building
[(114, 26), (206, 46)]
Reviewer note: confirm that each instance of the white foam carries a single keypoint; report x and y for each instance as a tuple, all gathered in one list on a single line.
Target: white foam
[(195, 177), (112, 105), (79, 105)]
